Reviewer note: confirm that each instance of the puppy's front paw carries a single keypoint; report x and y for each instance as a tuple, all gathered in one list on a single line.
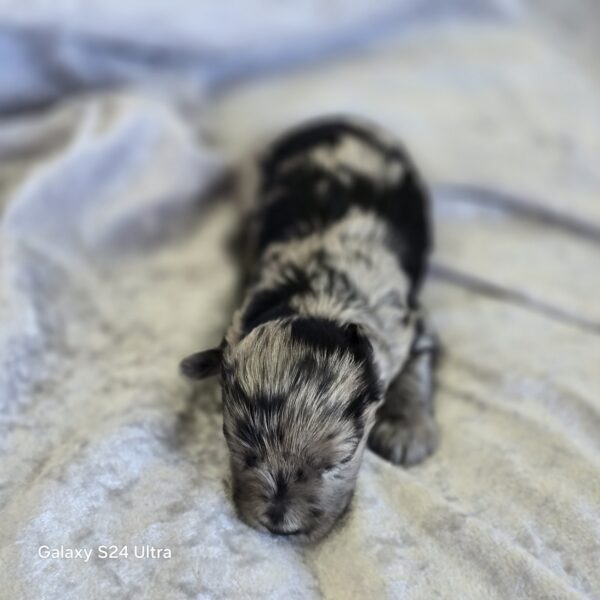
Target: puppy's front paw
[(404, 441)]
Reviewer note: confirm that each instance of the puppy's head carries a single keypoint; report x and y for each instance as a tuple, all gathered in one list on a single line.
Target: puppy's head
[(299, 396)]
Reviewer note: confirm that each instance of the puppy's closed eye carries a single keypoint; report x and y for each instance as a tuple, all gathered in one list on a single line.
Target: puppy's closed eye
[(350, 454), (250, 461), (325, 467)]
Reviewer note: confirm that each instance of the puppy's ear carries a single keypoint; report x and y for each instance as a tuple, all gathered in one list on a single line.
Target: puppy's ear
[(202, 364)]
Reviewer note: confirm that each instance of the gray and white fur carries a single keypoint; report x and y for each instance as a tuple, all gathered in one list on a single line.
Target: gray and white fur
[(329, 351)]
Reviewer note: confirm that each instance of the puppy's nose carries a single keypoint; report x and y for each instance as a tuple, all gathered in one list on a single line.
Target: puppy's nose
[(276, 513)]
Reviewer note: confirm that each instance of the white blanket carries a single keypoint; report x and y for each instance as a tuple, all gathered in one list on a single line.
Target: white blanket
[(119, 117)]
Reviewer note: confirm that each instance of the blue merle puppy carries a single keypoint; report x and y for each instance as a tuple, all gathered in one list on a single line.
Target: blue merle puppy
[(329, 351)]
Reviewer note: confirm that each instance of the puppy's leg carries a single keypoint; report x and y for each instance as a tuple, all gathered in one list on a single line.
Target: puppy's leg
[(405, 431)]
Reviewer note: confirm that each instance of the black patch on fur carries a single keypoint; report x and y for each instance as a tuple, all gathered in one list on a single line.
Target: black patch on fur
[(337, 280), (257, 411), (270, 403), (357, 406), (251, 461), (323, 334), (248, 433), (372, 393), (265, 306), (280, 433), (271, 304), (325, 132), (281, 487), (307, 365)]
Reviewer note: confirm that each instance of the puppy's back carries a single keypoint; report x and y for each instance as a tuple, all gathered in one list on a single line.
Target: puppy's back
[(311, 177)]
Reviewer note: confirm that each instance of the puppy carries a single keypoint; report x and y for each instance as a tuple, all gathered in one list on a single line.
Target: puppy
[(328, 352)]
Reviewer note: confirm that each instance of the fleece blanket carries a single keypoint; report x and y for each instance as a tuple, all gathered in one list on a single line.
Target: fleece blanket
[(120, 121)]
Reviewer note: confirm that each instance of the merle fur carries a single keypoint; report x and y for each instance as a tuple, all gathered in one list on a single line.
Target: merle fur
[(329, 351)]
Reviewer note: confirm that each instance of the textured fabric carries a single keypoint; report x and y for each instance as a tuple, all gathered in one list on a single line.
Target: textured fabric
[(113, 268)]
